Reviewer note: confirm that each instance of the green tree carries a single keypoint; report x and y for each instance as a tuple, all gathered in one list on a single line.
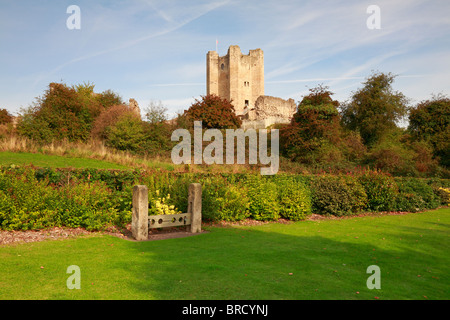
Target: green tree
[(392, 154), (375, 109), (126, 134), (108, 98), (156, 112), (314, 132), (430, 121)]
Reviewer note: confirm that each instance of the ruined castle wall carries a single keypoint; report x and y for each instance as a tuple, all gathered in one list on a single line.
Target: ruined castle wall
[(267, 106)]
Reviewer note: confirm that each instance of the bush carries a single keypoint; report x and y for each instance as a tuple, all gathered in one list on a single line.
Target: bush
[(108, 118), (381, 190), (441, 188), (294, 198), (5, 117), (157, 138), (160, 205), (28, 203), (222, 201), (126, 134), (95, 199), (89, 206), (415, 195), (444, 195), (338, 195), (263, 195)]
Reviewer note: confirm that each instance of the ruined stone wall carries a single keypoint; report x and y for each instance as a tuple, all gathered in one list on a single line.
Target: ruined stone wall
[(272, 107), (236, 77), (268, 111), (134, 106)]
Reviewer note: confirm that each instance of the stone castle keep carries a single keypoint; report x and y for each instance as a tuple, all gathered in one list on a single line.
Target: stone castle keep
[(240, 79)]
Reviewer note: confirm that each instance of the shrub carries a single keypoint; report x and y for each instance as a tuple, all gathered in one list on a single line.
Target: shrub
[(157, 138), (90, 205), (126, 134), (263, 195), (294, 198), (108, 118), (415, 195), (440, 188), (5, 117), (95, 199), (393, 158), (444, 194), (222, 201), (160, 205), (338, 195), (28, 203), (381, 190), (25, 203)]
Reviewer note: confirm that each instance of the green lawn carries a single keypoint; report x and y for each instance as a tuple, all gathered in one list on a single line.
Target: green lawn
[(52, 161), (303, 260)]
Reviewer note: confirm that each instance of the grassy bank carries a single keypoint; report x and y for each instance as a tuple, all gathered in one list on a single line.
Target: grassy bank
[(64, 154), (54, 161)]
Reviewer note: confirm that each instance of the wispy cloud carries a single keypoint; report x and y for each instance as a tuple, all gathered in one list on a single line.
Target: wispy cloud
[(157, 48), (174, 24)]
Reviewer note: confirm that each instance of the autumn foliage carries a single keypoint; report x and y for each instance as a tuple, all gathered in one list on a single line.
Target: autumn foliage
[(314, 126), (214, 112), (64, 113)]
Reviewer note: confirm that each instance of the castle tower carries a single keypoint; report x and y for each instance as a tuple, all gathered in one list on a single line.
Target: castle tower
[(236, 77)]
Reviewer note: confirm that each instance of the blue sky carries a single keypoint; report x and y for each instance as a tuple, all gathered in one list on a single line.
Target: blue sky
[(156, 50)]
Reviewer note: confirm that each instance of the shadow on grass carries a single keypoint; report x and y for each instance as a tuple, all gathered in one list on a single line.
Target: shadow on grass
[(267, 263)]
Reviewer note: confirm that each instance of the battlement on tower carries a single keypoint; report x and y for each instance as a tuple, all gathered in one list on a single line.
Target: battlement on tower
[(236, 77), (239, 78)]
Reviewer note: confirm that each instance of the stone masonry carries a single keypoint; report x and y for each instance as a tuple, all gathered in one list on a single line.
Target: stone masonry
[(240, 79), (236, 77)]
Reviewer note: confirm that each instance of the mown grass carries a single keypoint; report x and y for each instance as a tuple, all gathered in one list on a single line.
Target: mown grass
[(324, 259), (53, 161)]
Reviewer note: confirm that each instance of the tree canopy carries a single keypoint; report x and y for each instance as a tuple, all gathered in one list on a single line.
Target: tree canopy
[(214, 112), (430, 121), (314, 126), (375, 109), (65, 112)]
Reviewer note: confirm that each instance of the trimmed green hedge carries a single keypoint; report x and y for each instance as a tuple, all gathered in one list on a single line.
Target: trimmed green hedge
[(36, 198), (29, 203), (338, 195)]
